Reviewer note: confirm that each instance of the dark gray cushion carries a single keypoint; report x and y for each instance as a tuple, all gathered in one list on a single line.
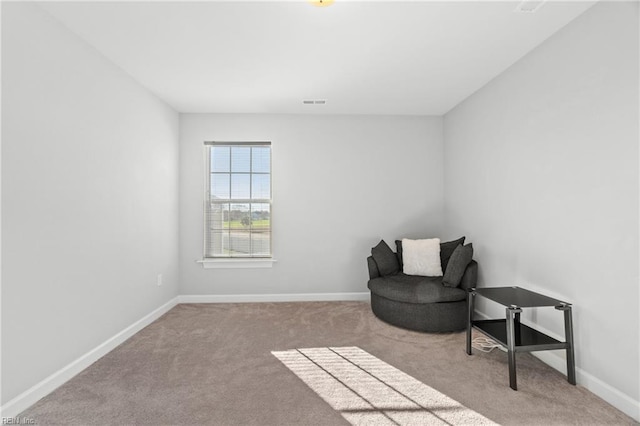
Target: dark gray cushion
[(447, 249), (460, 258), (470, 277), (415, 289), (373, 268), (399, 252), (385, 258)]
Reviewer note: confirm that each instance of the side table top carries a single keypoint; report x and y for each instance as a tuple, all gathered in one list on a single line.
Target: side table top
[(516, 296)]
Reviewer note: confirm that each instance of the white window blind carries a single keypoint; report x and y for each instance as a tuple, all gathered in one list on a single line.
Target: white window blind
[(238, 200)]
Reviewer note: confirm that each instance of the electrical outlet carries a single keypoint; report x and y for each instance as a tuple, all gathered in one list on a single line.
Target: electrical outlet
[(159, 282)]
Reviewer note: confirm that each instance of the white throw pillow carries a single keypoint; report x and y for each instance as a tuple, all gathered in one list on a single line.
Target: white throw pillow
[(421, 257)]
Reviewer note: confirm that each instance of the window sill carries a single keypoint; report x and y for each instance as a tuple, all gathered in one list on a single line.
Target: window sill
[(237, 263)]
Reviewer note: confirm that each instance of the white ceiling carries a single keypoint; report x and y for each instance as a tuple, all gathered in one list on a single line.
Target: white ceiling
[(363, 57)]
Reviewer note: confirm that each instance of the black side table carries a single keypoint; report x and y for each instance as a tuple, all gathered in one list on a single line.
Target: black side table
[(517, 337)]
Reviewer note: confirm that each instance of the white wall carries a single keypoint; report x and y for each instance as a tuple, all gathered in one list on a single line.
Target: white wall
[(340, 184), (89, 198), (541, 172)]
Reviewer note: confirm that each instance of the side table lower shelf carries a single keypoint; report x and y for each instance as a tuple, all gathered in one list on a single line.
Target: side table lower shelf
[(527, 338)]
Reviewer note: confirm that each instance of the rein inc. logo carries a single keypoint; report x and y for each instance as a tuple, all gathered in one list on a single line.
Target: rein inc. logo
[(18, 421)]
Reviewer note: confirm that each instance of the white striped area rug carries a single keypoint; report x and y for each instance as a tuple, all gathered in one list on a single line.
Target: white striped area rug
[(368, 391)]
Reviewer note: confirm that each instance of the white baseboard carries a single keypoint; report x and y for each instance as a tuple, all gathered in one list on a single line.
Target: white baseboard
[(613, 396), (286, 297), (31, 396)]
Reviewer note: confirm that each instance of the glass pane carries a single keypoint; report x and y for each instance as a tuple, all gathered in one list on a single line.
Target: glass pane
[(261, 161), (220, 186), (241, 159), (218, 244), (220, 158), (219, 216), (239, 243), (260, 217), (239, 217), (240, 186), (261, 243), (261, 187)]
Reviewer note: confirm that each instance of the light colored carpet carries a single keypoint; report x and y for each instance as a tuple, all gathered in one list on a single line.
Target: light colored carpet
[(212, 364), (368, 391)]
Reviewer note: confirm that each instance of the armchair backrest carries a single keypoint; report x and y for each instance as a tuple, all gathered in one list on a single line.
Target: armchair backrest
[(373, 268), (469, 279)]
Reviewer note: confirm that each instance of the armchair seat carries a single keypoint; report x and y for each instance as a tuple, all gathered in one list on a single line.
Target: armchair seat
[(415, 289)]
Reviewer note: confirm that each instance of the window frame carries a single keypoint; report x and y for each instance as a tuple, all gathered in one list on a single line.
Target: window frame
[(250, 260)]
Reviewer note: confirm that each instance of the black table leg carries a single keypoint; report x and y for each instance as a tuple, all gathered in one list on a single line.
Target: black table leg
[(512, 312), (471, 296), (568, 332)]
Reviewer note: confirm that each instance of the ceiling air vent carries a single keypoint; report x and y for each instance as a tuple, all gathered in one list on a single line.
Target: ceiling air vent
[(314, 101), (529, 6)]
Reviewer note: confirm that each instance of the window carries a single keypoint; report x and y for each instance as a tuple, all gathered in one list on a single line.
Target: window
[(238, 200)]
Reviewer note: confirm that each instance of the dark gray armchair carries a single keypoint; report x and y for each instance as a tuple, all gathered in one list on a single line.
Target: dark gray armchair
[(420, 303)]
